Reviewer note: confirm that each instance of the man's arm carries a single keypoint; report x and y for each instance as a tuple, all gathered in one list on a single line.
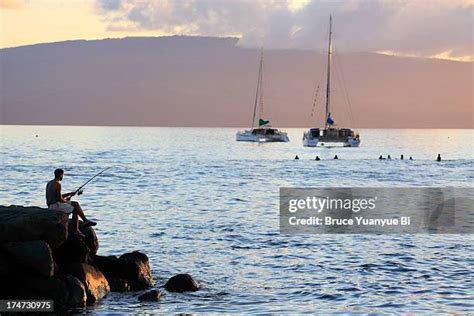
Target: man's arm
[(68, 195), (61, 197)]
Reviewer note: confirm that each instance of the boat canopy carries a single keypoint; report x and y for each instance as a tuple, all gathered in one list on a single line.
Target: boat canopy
[(264, 131), (314, 132)]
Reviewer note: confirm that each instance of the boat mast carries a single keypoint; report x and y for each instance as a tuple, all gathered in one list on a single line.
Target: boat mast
[(258, 92), (261, 87), (328, 82)]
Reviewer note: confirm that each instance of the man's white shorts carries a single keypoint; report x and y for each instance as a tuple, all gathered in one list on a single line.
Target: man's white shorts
[(62, 207)]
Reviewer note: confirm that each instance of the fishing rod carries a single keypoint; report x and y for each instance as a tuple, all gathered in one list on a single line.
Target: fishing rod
[(79, 190)]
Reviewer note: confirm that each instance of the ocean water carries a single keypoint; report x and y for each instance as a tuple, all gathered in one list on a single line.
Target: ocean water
[(196, 201)]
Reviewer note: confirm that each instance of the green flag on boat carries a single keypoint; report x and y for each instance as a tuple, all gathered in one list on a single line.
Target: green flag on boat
[(262, 122)]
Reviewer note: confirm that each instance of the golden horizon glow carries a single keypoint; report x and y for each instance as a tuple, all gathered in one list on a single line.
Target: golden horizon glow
[(444, 55), (28, 23)]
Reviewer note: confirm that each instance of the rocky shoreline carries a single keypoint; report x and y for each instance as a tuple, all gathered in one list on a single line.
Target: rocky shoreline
[(40, 260)]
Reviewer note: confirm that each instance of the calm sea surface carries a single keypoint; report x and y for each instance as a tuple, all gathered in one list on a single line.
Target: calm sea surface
[(195, 200)]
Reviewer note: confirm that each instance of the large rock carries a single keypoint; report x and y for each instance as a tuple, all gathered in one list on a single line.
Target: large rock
[(67, 291), (90, 238), (18, 223), (94, 281), (182, 283), (77, 295), (74, 250), (6, 268), (5, 265), (118, 285), (138, 270), (32, 255), (133, 267), (27, 286)]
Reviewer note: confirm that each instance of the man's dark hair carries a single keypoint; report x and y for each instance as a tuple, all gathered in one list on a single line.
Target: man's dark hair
[(58, 173)]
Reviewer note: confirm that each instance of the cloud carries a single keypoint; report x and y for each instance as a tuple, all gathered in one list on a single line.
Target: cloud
[(419, 27)]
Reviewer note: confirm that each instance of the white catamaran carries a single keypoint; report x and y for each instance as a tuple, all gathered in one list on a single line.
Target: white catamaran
[(261, 130), (330, 135)]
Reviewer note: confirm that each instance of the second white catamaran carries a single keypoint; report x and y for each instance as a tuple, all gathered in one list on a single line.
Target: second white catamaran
[(330, 135), (261, 130)]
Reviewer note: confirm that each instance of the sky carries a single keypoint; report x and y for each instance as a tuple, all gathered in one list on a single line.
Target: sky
[(420, 28)]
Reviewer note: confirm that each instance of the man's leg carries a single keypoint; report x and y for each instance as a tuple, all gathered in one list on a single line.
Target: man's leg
[(75, 221), (78, 210)]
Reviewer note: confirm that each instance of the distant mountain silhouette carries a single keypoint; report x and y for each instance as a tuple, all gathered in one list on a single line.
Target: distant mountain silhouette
[(204, 81)]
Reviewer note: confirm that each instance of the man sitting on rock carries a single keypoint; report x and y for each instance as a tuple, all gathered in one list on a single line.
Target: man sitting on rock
[(62, 202)]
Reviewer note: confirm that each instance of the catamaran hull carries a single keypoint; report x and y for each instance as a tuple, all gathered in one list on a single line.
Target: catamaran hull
[(315, 142), (249, 137)]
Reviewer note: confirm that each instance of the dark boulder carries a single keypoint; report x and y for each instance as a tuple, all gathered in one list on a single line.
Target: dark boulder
[(118, 285), (6, 272), (95, 283), (32, 255), (109, 265), (182, 283), (74, 250), (133, 267), (77, 296), (150, 296), (138, 271), (18, 223), (6, 265), (27, 286), (90, 237)]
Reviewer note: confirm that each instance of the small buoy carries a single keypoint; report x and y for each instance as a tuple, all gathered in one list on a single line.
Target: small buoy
[(296, 157), (411, 158), (317, 158), (336, 157), (438, 158)]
